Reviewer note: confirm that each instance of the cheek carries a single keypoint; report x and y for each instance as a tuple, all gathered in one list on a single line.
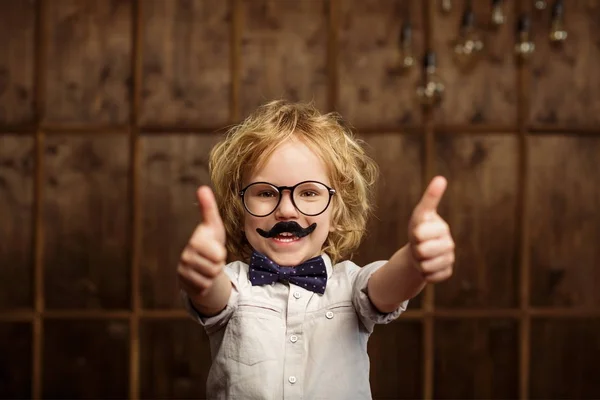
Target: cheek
[(250, 225), (331, 216), (326, 223), (247, 224)]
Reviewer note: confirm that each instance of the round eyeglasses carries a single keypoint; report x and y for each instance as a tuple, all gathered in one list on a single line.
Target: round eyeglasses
[(311, 198)]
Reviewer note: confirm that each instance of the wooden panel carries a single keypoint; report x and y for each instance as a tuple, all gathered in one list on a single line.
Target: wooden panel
[(86, 359), (88, 61), (15, 363), (173, 167), (396, 361), (476, 359), (480, 207), (565, 80), (283, 52), (399, 190), (16, 214), (186, 62), (565, 356), (175, 360), (372, 90), (86, 216), (17, 62), (564, 223), (481, 90)]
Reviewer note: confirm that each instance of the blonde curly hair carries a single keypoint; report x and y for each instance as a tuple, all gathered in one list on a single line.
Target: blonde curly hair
[(247, 146)]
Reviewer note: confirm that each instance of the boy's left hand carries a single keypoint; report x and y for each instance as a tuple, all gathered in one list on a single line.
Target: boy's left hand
[(429, 239)]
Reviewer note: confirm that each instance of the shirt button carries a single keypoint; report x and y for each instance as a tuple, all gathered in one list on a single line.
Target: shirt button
[(329, 314), (292, 379), (297, 295), (293, 338)]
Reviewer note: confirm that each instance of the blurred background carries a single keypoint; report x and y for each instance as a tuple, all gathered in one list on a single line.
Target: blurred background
[(108, 109)]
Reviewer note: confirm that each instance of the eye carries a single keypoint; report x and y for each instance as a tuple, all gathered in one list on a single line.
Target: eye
[(267, 193), (309, 193)]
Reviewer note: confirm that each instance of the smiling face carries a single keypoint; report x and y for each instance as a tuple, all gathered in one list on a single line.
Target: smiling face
[(290, 163)]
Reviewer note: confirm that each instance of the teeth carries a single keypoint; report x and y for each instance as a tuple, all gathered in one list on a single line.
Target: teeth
[(287, 240), (286, 237)]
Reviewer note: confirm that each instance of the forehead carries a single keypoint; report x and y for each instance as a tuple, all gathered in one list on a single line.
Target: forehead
[(291, 162)]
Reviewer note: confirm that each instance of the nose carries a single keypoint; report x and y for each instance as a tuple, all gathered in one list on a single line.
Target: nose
[(286, 210)]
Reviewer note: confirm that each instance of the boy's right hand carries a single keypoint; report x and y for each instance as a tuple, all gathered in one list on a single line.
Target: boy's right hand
[(204, 256)]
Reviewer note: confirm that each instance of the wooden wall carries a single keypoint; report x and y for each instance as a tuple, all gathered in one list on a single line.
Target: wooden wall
[(108, 109)]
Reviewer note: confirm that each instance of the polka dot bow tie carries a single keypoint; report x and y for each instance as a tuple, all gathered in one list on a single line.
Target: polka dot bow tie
[(311, 275)]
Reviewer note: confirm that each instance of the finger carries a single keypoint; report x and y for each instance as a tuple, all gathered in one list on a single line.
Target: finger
[(433, 248), (201, 264), (208, 208), (193, 281), (431, 198), (207, 246), (438, 263), (430, 230), (439, 276)]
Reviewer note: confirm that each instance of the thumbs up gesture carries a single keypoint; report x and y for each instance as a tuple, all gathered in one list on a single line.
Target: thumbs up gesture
[(430, 242), (204, 256)]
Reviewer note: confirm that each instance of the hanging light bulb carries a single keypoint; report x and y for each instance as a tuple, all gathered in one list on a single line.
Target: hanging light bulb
[(558, 34), (446, 6), (407, 58), (524, 46), (469, 43), (431, 91), (540, 5), (498, 16)]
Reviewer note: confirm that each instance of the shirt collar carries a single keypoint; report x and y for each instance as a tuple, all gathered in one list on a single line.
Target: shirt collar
[(328, 265)]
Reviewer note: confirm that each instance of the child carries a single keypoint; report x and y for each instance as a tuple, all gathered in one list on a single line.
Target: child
[(290, 319)]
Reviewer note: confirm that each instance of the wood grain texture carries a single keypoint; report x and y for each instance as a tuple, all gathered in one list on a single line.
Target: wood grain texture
[(175, 360), (85, 359), (398, 191), (480, 207), (564, 223), (16, 226), (173, 167), (481, 90), (88, 56), (186, 73), (86, 217), (565, 354), (372, 90), (565, 80), (396, 361), (15, 363), (476, 359), (283, 52), (17, 31)]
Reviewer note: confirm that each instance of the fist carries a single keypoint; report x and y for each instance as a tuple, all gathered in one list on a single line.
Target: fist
[(430, 242), (204, 256)]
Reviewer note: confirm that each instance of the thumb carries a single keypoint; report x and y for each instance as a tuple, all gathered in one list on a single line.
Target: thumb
[(210, 212), (431, 198)]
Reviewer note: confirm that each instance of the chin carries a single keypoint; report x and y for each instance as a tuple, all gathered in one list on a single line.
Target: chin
[(288, 259)]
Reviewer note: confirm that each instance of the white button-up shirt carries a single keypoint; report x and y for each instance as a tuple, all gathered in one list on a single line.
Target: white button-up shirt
[(281, 341)]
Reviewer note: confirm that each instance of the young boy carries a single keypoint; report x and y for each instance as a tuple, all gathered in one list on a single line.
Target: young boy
[(290, 319)]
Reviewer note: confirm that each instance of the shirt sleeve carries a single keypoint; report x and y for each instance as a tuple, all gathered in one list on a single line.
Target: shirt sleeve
[(218, 321), (368, 313)]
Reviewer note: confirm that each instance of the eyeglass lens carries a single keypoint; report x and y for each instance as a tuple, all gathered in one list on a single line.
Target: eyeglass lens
[(310, 198)]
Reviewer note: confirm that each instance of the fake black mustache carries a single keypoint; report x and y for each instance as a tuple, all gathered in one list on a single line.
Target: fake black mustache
[(287, 226)]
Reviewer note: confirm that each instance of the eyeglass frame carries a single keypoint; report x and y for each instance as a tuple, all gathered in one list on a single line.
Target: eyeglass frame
[(280, 190)]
